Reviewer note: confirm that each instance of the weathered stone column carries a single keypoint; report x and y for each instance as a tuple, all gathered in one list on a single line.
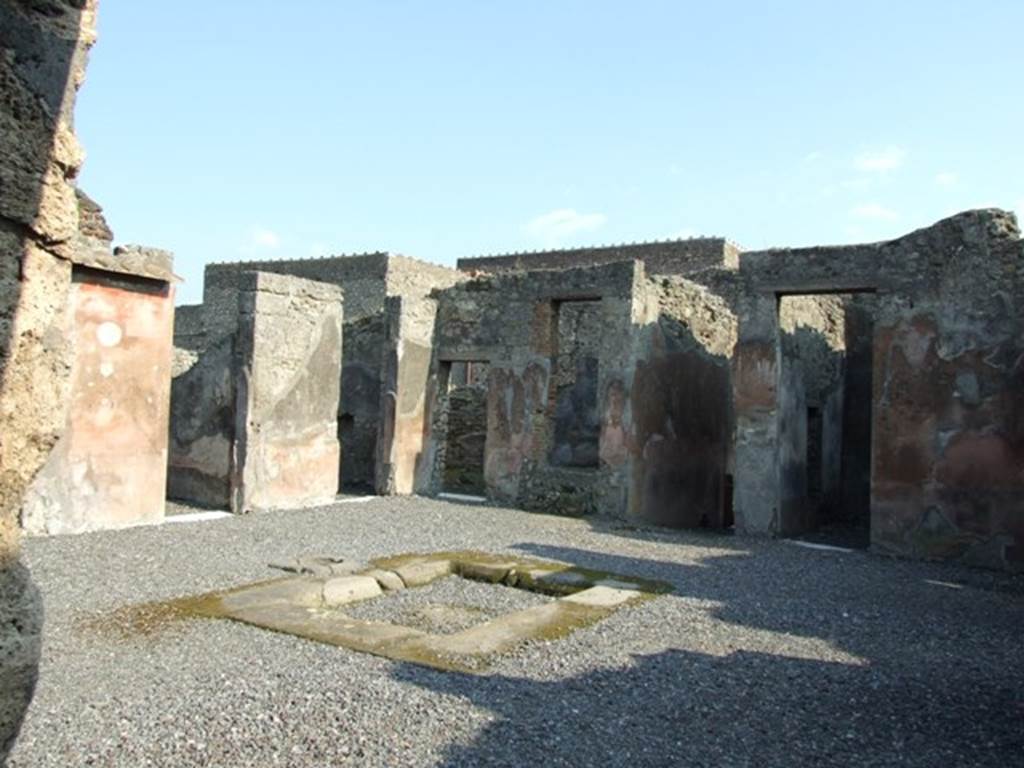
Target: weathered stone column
[(288, 373), (756, 384), (401, 465), (43, 50)]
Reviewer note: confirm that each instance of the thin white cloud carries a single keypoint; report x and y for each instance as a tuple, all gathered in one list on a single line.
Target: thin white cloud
[(552, 227), (259, 243), (945, 179), (880, 161), (264, 239), (873, 212), (812, 157)]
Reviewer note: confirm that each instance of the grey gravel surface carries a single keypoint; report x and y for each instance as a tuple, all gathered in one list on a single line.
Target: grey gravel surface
[(768, 654), (445, 606)]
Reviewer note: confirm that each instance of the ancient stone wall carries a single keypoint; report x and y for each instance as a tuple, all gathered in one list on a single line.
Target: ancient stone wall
[(413, 278), (109, 468), (202, 412), (813, 333), (403, 465), (681, 445), (43, 49), (363, 275), (854, 507), (666, 257), (466, 439), (288, 353), (795, 513), (459, 424), (946, 432), (364, 281), (511, 321), (368, 280), (577, 423)]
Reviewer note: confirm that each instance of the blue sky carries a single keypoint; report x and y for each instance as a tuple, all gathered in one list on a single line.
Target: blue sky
[(235, 129)]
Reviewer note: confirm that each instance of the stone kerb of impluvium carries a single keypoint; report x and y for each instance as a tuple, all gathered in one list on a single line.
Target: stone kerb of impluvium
[(311, 604)]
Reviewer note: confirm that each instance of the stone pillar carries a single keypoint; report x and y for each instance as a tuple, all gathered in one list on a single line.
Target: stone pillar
[(401, 465), (286, 451), (43, 49), (756, 388)]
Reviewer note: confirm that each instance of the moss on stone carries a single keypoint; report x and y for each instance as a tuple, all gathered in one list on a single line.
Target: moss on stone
[(470, 650), (523, 572)]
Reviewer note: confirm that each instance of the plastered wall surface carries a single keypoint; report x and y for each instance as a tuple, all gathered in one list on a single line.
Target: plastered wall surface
[(757, 385), (202, 421), (109, 468), (368, 280), (682, 407), (512, 322), (403, 463), (258, 370), (947, 468), (286, 451)]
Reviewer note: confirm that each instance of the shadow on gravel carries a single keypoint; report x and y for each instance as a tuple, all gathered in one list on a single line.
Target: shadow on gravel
[(868, 606), (685, 708), (921, 696)]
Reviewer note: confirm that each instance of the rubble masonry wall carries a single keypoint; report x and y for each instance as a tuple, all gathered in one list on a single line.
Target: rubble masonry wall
[(43, 50)]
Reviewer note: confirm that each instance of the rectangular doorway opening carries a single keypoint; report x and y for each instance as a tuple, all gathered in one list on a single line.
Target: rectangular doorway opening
[(824, 418), (462, 423)]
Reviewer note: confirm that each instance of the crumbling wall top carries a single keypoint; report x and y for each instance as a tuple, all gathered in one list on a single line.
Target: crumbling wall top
[(909, 264), (681, 256), (412, 277), (91, 222), (137, 260), (289, 285)]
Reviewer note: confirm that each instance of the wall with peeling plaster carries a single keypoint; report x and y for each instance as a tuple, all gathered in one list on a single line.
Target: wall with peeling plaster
[(254, 400), (947, 477), (403, 464), (108, 469), (368, 280), (681, 445), (202, 414), (289, 350), (511, 321)]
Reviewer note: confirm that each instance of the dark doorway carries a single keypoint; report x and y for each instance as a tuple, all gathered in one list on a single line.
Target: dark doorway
[(824, 427), (463, 407)]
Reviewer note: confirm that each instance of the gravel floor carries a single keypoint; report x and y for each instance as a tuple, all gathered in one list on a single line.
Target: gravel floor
[(769, 654), (446, 606)]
